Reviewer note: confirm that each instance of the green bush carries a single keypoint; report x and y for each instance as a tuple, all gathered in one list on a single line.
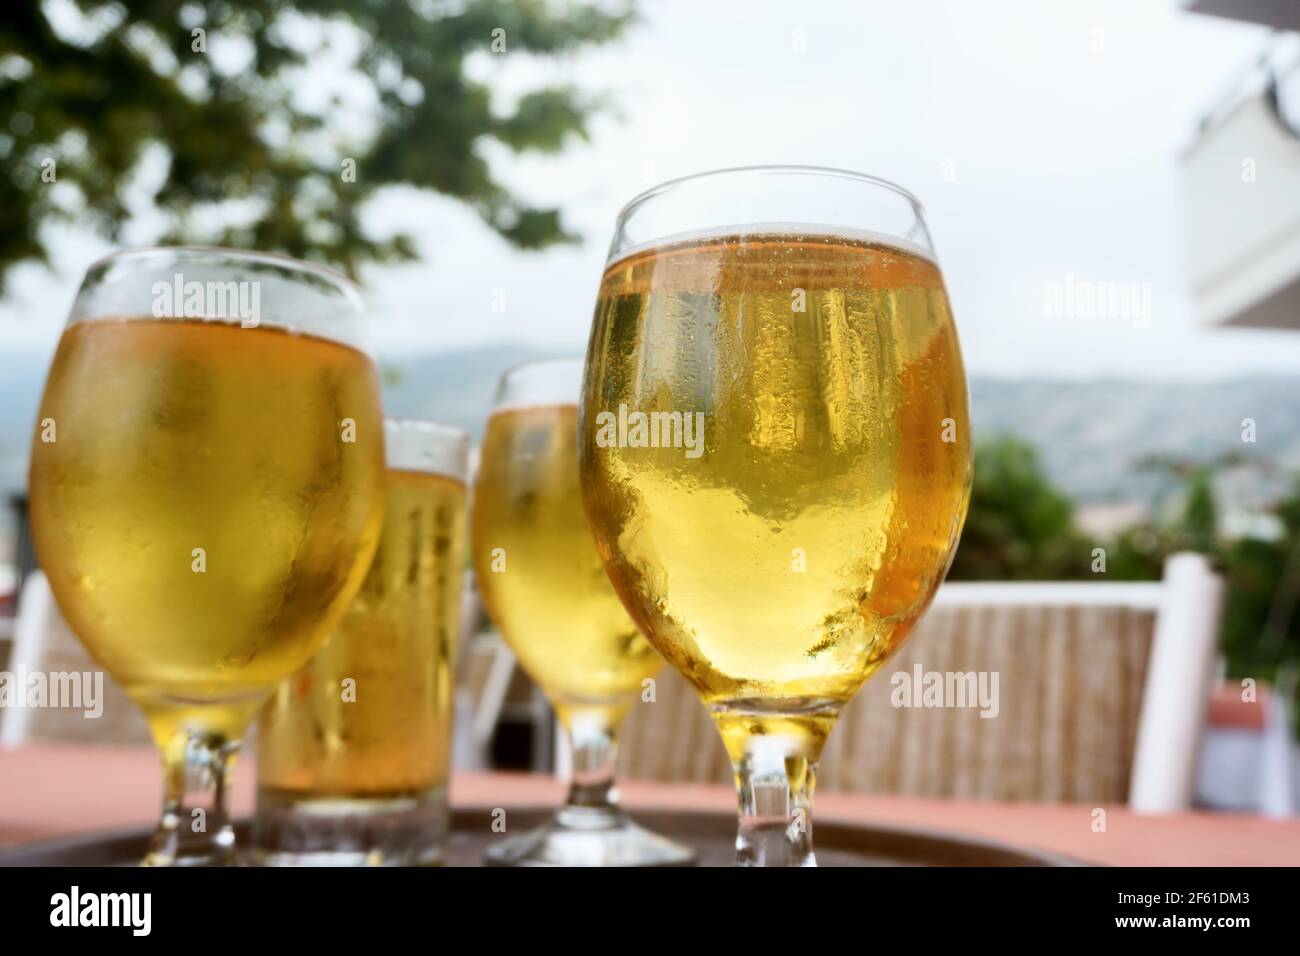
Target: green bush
[(1019, 527)]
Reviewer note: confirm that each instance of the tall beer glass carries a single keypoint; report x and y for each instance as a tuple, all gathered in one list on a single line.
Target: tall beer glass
[(547, 592), (353, 751), (206, 491), (775, 454)]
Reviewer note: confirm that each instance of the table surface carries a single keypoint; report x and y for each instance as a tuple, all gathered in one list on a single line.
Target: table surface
[(49, 791)]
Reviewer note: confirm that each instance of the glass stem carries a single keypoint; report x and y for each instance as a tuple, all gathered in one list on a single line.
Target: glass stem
[(774, 783), (195, 829), (594, 747)]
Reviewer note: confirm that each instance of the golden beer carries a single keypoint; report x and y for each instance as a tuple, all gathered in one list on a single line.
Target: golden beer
[(538, 570), (780, 563), (204, 499), (370, 716)]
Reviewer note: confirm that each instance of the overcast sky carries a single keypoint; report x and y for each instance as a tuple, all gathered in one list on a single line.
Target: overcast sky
[(1043, 138)]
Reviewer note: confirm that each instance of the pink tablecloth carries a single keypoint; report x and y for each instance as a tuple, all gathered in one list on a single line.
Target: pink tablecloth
[(49, 791)]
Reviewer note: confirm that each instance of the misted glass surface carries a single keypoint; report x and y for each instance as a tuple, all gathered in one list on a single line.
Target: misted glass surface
[(554, 602), (789, 560), (175, 436)]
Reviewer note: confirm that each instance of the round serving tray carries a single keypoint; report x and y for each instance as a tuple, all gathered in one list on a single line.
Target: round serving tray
[(711, 834)]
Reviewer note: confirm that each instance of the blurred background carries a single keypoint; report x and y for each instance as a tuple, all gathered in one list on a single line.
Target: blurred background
[(1113, 186)]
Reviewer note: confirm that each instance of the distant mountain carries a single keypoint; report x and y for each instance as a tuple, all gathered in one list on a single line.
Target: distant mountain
[(1088, 434)]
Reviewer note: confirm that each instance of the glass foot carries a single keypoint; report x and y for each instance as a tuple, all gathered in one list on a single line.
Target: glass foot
[(579, 836), (172, 846), (293, 830)]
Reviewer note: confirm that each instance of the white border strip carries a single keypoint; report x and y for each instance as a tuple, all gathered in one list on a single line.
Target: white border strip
[(1057, 593)]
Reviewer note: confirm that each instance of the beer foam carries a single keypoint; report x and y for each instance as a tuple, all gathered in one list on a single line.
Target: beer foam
[(428, 448), (783, 229)]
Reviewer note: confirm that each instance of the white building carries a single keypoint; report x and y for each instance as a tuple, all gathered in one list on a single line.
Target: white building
[(1242, 181)]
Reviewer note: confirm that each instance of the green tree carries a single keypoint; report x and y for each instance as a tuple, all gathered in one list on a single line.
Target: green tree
[(1019, 526), (1139, 553), (1261, 620), (1200, 522), (82, 102)]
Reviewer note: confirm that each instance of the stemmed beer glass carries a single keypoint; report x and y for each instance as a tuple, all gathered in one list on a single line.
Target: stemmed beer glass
[(775, 454), (547, 592), (206, 493)]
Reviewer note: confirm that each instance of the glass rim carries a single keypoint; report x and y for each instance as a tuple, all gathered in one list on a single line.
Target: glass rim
[(279, 259), (543, 382), (790, 169)]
